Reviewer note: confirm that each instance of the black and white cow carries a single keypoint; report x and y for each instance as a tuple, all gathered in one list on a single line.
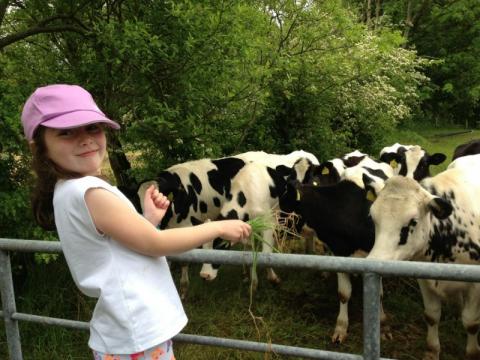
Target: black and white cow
[(331, 171), (469, 148), (340, 216), (437, 220), (199, 188), (255, 192), (196, 189), (410, 160)]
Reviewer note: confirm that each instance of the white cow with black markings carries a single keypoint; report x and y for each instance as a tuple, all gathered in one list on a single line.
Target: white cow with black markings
[(255, 192), (437, 220)]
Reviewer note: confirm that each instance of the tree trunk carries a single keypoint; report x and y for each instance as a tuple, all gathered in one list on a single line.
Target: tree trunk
[(121, 169), (118, 160), (412, 19), (368, 12), (378, 5)]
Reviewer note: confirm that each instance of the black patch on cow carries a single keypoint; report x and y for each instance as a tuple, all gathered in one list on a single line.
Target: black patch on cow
[(407, 230), (474, 251), (246, 217), (195, 181), (232, 214), (451, 195), (170, 184), (241, 199), (339, 214), (442, 241), (376, 172), (203, 207), (195, 221), (220, 178), (192, 197), (423, 167), (279, 182), (433, 190), (422, 170), (402, 160), (446, 235), (216, 201), (470, 148), (166, 218), (352, 160), (183, 201)]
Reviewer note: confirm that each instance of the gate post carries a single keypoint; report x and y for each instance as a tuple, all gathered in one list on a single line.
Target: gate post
[(371, 316), (9, 307)]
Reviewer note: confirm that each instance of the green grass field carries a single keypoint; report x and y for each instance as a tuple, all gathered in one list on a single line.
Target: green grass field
[(301, 311)]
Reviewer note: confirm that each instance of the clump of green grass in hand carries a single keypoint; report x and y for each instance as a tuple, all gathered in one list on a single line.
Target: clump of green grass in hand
[(282, 226)]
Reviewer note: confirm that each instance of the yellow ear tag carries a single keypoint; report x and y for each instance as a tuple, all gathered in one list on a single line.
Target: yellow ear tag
[(299, 196), (170, 197), (325, 171), (371, 196), (315, 183), (393, 164)]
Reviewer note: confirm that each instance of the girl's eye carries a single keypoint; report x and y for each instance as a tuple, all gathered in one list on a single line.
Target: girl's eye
[(65, 132), (94, 128)]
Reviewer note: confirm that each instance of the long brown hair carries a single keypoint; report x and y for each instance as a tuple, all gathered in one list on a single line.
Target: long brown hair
[(47, 174)]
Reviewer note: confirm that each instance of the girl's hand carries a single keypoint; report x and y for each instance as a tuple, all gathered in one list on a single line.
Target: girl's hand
[(234, 230), (155, 205)]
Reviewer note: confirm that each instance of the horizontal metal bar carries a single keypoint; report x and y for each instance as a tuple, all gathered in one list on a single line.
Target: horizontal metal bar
[(263, 347), (414, 269), (30, 245), (206, 340), (45, 320)]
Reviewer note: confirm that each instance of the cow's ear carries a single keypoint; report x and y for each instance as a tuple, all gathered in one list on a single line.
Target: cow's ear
[(284, 171), (372, 187), (437, 159), (395, 160), (324, 168), (440, 207)]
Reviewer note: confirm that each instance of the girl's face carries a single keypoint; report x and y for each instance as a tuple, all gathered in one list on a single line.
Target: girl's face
[(80, 150)]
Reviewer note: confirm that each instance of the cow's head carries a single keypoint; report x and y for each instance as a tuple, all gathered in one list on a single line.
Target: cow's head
[(410, 160), (401, 214), (418, 162), (327, 173)]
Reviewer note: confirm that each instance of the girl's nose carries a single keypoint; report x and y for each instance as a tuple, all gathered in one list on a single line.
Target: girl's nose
[(85, 138)]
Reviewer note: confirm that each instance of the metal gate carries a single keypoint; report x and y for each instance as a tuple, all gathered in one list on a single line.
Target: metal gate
[(371, 271)]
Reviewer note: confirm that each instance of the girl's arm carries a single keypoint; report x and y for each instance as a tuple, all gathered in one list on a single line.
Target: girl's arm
[(113, 217)]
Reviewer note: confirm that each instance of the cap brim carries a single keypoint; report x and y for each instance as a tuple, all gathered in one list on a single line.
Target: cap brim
[(79, 118)]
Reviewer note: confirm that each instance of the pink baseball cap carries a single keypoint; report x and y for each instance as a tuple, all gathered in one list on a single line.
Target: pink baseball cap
[(61, 106)]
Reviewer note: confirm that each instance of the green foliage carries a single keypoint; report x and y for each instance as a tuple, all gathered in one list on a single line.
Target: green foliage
[(451, 31), (336, 86), (188, 80)]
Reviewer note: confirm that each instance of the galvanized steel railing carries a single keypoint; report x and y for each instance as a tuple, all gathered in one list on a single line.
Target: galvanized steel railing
[(371, 271)]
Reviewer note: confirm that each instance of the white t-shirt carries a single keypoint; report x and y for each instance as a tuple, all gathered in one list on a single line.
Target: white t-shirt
[(138, 305)]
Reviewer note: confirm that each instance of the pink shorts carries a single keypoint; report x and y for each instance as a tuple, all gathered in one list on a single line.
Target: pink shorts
[(163, 351)]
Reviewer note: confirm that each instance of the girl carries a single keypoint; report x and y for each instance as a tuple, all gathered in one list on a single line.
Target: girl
[(113, 253)]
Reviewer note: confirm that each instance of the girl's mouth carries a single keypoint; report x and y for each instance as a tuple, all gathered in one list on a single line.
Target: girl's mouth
[(88, 153)]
